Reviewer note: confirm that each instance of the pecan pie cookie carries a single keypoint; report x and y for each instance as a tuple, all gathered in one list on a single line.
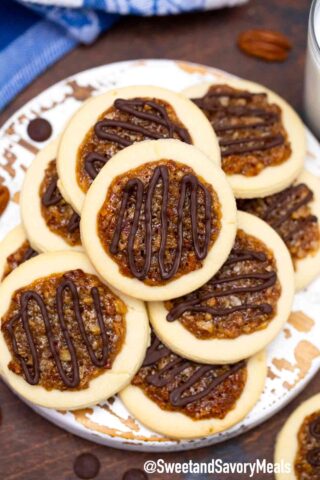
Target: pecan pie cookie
[(14, 250), (298, 444), (67, 340), (160, 218), (108, 123), (240, 309), (50, 222), (183, 399), (295, 214), (262, 139)]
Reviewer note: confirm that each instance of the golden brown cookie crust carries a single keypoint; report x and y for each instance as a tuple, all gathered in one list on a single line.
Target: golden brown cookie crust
[(126, 363), (271, 179), (41, 238), (180, 426), (287, 441)]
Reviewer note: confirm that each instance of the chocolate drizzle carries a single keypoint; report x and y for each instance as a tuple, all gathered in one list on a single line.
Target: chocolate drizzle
[(211, 103), (164, 376), (144, 114), (313, 457), (284, 204), (73, 223), (136, 187), (280, 210), (155, 352), (264, 280), (314, 428), (94, 162), (159, 116), (52, 195), (247, 145), (32, 374), (29, 253)]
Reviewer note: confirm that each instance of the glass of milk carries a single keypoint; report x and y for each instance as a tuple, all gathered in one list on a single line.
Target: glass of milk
[(312, 78)]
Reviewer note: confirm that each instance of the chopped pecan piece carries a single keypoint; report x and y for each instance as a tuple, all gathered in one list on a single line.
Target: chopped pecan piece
[(4, 198)]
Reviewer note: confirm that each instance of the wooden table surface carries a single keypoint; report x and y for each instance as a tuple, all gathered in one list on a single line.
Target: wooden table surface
[(30, 447)]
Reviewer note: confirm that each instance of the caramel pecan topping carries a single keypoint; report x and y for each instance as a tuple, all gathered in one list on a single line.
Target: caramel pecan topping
[(63, 330), (266, 44), (289, 213), (189, 181), (159, 221), (250, 129), (18, 256), (239, 299), (197, 390), (58, 215), (126, 122), (4, 198), (307, 460)]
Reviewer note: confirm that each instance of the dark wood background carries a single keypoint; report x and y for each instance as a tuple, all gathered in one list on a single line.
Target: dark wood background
[(30, 447)]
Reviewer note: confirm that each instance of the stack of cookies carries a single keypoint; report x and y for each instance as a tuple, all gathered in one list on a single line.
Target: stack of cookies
[(163, 237)]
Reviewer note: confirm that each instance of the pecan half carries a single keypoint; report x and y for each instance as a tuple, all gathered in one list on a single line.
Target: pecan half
[(266, 44), (4, 198)]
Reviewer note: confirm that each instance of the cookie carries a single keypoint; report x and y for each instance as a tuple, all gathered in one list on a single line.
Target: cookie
[(262, 139), (298, 443), (182, 399), (110, 122), (240, 309), (85, 341), (159, 218), (50, 222), (294, 213), (14, 250)]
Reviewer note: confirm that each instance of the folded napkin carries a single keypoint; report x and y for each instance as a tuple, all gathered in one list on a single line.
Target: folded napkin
[(36, 33), (140, 7)]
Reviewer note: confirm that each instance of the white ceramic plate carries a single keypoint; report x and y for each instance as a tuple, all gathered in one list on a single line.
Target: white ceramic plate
[(293, 358)]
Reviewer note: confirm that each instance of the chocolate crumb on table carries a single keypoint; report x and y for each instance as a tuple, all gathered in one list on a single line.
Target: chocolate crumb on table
[(86, 466), (39, 129), (135, 474)]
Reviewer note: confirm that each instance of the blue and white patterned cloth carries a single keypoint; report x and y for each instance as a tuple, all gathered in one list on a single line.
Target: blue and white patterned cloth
[(36, 33)]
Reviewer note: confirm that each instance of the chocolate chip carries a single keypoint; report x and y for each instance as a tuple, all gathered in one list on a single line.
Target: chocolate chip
[(135, 474), (86, 466), (39, 129)]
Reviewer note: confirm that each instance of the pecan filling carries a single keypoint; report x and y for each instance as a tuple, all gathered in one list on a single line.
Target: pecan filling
[(159, 221), (289, 213), (307, 461), (240, 299), (126, 122), (250, 130), (22, 254), (64, 330), (199, 391), (59, 216)]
